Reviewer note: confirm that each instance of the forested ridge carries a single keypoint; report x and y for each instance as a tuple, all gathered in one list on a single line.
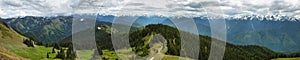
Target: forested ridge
[(137, 37), (232, 52)]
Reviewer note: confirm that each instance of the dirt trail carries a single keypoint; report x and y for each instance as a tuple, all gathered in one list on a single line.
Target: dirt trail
[(157, 44)]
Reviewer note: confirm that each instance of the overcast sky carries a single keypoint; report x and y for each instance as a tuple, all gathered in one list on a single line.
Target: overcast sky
[(15, 8)]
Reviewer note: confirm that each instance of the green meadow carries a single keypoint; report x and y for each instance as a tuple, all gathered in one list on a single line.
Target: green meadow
[(34, 53)]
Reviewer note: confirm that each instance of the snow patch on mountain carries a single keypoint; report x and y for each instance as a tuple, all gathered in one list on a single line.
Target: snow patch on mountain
[(169, 8)]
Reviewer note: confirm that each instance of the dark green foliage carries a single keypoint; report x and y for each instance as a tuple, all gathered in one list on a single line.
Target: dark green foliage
[(61, 54), (168, 32), (53, 50), (29, 43), (64, 52), (48, 55), (56, 46), (249, 52), (282, 55), (71, 54)]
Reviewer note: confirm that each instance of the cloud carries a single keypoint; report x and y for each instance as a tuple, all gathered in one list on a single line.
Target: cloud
[(15, 8)]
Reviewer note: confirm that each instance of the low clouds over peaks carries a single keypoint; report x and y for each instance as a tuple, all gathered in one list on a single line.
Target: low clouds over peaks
[(190, 8)]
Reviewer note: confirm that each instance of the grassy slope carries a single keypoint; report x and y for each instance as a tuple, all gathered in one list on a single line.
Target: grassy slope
[(10, 40), (286, 58), (84, 54), (34, 53), (12, 46)]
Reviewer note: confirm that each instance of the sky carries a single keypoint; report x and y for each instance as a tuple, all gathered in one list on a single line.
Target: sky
[(187, 8)]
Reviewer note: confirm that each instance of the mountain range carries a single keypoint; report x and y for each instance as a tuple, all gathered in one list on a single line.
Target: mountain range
[(279, 33), (42, 29), (14, 47), (242, 45), (139, 42)]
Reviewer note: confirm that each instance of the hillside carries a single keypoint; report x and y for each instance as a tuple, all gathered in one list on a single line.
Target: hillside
[(139, 41), (10, 39), (46, 30), (232, 52), (102, 32), (42, 29), (280, 33), (12, 46), (279, 36)]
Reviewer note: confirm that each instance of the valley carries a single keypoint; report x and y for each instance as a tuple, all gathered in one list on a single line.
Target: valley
[(150, 30), (51, 38)]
